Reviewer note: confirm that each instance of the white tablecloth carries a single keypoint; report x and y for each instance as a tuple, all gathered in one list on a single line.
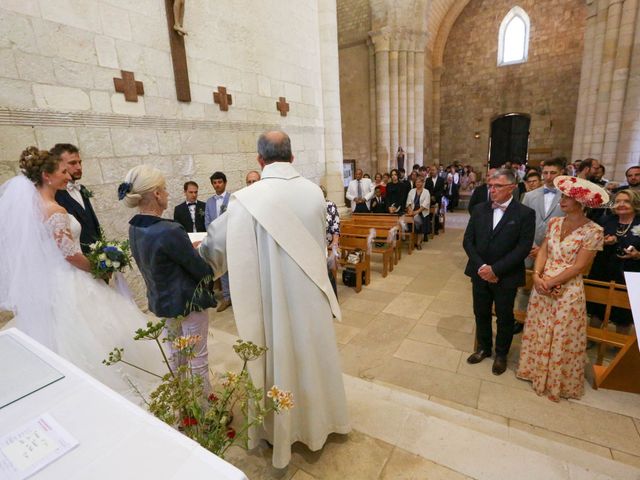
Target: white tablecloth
[(117, 438)]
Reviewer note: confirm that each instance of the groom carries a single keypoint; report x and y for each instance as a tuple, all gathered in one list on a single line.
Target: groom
[(75, 199)]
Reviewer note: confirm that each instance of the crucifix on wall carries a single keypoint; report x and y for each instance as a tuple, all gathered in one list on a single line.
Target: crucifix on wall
[(282, 106), (175, 17), (222, 98), (129, 86)]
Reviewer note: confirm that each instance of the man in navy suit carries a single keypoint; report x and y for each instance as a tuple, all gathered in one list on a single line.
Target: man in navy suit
[(497, 240), (75, 199), (190, 213)]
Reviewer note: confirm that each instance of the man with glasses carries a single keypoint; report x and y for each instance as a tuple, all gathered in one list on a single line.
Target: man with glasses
[(497, 240)]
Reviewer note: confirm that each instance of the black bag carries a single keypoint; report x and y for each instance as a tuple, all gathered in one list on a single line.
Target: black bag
[(349, 277)]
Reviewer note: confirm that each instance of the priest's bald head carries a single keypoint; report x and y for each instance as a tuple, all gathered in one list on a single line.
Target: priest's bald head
[(274, 146)]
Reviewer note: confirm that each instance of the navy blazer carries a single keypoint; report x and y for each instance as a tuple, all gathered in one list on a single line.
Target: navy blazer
[(503, 248), (86, 217), (170, 266)]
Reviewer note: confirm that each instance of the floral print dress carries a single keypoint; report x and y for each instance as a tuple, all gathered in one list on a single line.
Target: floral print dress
[(554, 342)]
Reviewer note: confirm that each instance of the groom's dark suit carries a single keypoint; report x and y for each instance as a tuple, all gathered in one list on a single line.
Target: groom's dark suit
[(182, 215), (85, 216), (504, 249)]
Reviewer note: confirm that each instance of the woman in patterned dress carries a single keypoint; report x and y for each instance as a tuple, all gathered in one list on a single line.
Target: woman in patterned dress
[(552, 355)]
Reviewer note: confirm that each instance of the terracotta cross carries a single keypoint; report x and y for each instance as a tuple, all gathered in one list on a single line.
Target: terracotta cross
[(282, 106), (178, 52), (222, 98), (129, 86)]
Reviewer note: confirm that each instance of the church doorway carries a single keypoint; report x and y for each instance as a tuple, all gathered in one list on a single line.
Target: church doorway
[(509, 139)]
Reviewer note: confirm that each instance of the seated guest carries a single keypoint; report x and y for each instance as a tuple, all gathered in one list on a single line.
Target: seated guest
[(378, 204), (190, 213), (216, 206), (418, 203), (171, 268), (378, 182), (386, 179), (366, 175), (598, 178), (621, 253), (633, 179), (252, 177), (555, 334)]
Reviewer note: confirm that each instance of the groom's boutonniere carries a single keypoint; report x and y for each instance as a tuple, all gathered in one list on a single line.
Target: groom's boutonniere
[(86, 192), (200, 212)]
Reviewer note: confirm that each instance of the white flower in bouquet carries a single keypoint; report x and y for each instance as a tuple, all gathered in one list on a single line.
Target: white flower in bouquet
[(108, 263), (102, 256), (116, 264)]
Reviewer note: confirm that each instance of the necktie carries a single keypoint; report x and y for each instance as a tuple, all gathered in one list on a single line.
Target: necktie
[(190, 204), (495, 205), (359, 189), (549, 190)]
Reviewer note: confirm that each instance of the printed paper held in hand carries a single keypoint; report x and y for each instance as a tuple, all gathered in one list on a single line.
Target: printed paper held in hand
[(197, 236), (32, 447), (633, 290)]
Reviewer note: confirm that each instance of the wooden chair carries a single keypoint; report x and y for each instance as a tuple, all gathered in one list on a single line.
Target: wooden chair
[(380, 246), (349, 243), (409, 221)]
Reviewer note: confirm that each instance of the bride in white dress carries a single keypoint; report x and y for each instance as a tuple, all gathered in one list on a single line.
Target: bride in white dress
[(45, 281)]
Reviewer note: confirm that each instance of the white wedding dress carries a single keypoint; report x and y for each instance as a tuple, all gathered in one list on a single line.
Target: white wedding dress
[(66, 309)]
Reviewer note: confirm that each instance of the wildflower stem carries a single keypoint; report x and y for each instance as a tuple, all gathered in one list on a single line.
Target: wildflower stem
[(166, 360), (140, 368)]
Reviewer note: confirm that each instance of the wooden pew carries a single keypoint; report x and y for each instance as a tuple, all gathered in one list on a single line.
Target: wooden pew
[(349, 243), (381, 220), (383, 234), (380, 235)]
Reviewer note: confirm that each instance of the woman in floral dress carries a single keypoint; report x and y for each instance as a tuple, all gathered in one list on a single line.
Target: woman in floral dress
[(552, 355)]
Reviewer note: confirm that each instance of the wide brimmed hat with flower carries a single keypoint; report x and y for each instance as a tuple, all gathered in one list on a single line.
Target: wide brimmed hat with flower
[(587, 193)]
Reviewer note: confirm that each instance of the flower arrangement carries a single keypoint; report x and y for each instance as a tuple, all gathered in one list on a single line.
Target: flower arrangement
[(208, 417), (636, 231), (107, 257), (86, 192)]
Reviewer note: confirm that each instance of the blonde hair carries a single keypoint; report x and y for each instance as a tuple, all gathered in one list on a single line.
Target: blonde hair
[(140, 181), (634, 199)]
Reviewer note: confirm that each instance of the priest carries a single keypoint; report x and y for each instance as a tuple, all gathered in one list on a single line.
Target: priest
[(272, 242)]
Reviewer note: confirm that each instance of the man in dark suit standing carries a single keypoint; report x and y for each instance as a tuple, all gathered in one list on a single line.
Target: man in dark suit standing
[(481, 192), (75, 199), (497, 240), (190, 213), (435, 184)]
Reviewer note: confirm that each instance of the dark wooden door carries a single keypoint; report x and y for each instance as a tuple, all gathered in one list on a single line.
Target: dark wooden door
[(509, 139)]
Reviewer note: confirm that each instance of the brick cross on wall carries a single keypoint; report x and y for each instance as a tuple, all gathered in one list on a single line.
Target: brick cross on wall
[(129, 86), (282, 106), (222, 98)]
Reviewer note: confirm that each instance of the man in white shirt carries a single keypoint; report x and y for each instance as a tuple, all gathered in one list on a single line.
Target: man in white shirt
[(359, 193)]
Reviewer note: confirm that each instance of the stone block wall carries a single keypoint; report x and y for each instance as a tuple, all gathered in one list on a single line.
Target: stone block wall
[(474, 89), (354, 24), (58, 59)]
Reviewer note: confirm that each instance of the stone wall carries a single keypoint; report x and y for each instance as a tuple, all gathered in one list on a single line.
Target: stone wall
[(354, 24), (58, 59), (474, 89)]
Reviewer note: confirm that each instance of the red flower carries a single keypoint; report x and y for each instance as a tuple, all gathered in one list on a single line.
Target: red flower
[(231, 433), (189, 422), (212, 398), (573, 179)]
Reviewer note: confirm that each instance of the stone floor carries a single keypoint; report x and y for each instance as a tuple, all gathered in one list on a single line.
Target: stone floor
[(419, 411)]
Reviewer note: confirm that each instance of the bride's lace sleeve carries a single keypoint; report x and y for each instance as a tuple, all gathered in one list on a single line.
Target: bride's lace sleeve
[(60, 228)]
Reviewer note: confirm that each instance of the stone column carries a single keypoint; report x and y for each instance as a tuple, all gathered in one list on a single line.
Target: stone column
[(411, 107), (383, 148), (402, 98), (328, 28), (436, 75), (373, 142), (393, 99), (585, 83), (628, 153), (419, 102), (619, 81), (614, 14)]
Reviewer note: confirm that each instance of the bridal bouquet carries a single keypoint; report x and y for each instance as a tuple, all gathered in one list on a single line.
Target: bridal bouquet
[(108, 257), (217, 419)]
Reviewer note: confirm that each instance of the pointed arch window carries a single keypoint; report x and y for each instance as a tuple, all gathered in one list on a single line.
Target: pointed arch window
[(513, 39)]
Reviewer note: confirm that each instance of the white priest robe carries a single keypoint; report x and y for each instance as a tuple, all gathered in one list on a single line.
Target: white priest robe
[(272, 239)]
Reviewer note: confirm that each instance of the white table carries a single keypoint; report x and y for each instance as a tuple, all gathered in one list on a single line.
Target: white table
[(117, 438)]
